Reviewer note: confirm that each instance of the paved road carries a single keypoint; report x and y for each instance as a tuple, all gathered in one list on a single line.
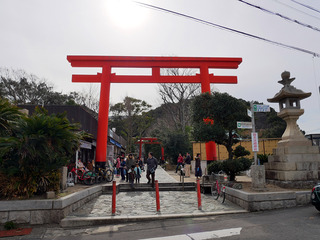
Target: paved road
[(294, 223)]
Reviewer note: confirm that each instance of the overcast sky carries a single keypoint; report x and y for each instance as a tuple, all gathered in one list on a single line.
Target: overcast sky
[(37, 36)]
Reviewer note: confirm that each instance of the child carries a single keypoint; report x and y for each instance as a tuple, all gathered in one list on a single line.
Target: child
[(137, 172), (123, 169), (131, 176)]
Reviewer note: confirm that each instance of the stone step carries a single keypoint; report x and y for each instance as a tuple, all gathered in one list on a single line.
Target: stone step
[(147, 187)]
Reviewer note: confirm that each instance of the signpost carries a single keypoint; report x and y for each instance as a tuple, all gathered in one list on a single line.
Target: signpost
[(260, 108), (257, 171), (255, 142), (246, 125), (254, 135)]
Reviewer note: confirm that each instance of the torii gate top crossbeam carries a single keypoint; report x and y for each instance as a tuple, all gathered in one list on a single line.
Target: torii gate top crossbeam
[(155, 63), (144, 62)]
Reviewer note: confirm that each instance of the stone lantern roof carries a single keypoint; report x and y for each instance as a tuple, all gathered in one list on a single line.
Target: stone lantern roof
[(288, 91)]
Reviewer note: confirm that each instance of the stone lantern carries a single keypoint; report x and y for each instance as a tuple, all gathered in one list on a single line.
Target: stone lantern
[(289, 104), (295, 161)]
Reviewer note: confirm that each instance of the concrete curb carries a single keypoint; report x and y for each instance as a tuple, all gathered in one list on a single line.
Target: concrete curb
[(71, 222)]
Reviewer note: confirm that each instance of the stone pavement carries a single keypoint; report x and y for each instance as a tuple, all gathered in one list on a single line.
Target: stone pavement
[(144, 203)]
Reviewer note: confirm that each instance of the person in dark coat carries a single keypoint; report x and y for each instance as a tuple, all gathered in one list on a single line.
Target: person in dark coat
[(152, 164), (129, 162), (198, 170)]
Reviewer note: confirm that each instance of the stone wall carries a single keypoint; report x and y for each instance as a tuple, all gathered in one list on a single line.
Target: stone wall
[(267, 200), (45, 211)]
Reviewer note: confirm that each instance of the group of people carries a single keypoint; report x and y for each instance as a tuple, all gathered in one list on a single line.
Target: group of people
[(131, 169), (185, 162)]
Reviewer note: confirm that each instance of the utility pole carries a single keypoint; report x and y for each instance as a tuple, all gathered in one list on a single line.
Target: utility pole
[(253, 134)]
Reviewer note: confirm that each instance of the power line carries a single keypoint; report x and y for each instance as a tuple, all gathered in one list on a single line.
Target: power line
[(307, 6), (227, 28), (280, 15), (298, 10)]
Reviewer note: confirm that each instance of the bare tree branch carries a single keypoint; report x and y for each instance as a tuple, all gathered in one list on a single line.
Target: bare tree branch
[(176, 96)]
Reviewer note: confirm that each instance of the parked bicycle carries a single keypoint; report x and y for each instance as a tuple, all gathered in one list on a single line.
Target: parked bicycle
[(104, 175), (86, 177), (218, 190)]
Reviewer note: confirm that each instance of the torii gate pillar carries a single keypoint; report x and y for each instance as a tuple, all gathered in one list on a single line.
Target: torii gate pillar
[(103, 117), (155, 63), (211, 149)]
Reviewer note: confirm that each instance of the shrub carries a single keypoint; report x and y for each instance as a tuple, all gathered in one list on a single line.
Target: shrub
[(235, 166), (10, 225), (240, 151), (49, 182), (263, 158), (231, 167), (16, 186), (215, 167)]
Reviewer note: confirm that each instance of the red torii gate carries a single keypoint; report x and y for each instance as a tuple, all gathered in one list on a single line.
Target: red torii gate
[(149, 140), (155, 63)]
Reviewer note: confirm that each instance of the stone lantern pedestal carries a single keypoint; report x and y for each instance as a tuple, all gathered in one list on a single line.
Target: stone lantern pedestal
[(295, 162)]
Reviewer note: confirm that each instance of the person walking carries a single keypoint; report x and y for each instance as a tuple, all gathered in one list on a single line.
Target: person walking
[(179, 162), (131, 176), (198, 169), (187, 166), (152, 164), (129, 163)]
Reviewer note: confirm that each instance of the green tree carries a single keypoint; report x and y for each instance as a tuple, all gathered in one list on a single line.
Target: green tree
[(225, 110), (37, 147), (20, 87), (175, 143), (130, 118), (275, 125), (240, 151)]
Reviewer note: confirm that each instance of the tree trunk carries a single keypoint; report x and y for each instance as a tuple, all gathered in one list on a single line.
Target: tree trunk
[(232, 176), (230, 152)]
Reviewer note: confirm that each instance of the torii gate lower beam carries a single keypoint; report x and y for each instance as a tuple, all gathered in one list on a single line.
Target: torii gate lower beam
[(149, 140), (155, 63)]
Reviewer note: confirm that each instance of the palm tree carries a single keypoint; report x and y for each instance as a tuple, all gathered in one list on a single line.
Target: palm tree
[(39, 146), (9, 115)]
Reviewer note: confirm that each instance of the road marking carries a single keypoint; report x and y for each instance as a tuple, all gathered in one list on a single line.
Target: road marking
[(202, 235)]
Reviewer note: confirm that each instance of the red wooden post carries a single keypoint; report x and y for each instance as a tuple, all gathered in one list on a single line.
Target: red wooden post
[(162, 154), (114, 193), (199, 195), (211, 152), (140, 148), (157, 196), (102, 133)]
